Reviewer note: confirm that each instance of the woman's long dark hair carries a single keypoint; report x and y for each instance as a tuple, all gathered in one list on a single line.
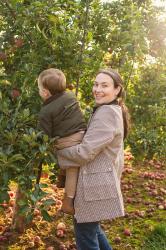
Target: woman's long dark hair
[(120, 97)]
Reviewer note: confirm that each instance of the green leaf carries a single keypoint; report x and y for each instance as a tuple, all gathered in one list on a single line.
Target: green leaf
[(29, 217), (48, 202), (16, 157), (46, 216), (43, 185), (89, 36), (22, 203), (24, 209), (33, 198), (4, 196)]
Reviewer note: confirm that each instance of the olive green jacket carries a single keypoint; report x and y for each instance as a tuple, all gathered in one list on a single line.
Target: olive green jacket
[(61, 115)]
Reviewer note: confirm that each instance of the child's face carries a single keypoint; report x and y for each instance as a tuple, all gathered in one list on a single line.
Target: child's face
[(44, 93)]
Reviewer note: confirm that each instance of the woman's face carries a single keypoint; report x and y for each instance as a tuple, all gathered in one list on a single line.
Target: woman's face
[(104, 90)]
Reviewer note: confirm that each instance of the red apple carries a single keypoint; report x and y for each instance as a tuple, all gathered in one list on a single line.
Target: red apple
[(3, 56), (129, 170), (158, 166), (146, 203), (15, 93), (58, 202), (45, 176), (4, 205), (127, 215), (160, 198), (129, 200), (117, 240), (163, 190), (161, 207), (62, 247), (125, 187), (150, 215), (3, 238), (150, 210), (70, 86), (31, 244), (50, 248), (38, 218), (37, 239), (11, 194), (154, 192), (9, 220), (137, 212), (110, 50), (129, 157), (127, 232), (74, 245), (11, 202), (54, 187), (7, 234), (19, 42), (142, 214), (60, 233), (36, 212), (9, 210), (61, 226), (151, 162)]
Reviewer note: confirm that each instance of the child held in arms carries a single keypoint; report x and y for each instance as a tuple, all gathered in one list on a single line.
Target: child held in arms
[(61, 117)]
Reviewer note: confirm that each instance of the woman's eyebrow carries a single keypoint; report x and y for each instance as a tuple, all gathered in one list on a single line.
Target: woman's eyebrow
[(101, 82)]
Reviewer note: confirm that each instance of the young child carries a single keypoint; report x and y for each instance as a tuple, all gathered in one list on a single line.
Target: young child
[(60, 117)]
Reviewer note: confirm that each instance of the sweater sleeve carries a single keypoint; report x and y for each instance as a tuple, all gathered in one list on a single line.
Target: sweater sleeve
[(102, 130), (45, 124)]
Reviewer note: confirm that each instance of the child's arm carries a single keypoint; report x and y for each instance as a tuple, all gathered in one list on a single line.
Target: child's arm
[(45, 123)]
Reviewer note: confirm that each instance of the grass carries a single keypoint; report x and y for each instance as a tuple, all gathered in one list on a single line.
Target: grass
[(144, 219), (156, 240)]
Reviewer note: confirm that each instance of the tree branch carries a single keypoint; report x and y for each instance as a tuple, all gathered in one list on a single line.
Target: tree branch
[(85, 28), (131, 71)]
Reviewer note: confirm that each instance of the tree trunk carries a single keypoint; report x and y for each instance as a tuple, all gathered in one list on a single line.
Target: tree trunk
[(18, 221)]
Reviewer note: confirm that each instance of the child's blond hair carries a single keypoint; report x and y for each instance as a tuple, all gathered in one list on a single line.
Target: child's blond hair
[(52, 79)]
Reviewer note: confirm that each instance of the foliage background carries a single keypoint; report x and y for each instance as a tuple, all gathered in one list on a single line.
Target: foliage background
[(78, 37)]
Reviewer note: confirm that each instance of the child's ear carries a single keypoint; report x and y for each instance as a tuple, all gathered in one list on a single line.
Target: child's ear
[(46, 93)]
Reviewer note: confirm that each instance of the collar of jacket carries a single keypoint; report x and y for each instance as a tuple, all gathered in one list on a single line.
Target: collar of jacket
[(52, 98), (114, 102)]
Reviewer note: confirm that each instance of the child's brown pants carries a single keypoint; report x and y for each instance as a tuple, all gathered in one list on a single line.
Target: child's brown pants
[(71, 173)]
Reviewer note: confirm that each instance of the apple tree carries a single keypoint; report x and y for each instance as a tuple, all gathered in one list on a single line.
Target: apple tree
[(37, 35), (77, 37)]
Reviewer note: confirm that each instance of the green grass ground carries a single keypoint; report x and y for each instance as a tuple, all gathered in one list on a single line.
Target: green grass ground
[(142, 228), (156, 240)]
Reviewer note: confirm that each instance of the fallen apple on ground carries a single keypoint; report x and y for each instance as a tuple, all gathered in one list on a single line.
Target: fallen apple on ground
[(127, 232)]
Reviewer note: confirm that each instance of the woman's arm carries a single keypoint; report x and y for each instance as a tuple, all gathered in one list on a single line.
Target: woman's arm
[(102, 130)]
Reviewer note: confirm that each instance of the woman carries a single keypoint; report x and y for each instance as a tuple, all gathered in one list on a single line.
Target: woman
[(100, 159)]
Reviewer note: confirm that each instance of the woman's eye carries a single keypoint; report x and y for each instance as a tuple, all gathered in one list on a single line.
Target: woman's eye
[(95, 85)]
